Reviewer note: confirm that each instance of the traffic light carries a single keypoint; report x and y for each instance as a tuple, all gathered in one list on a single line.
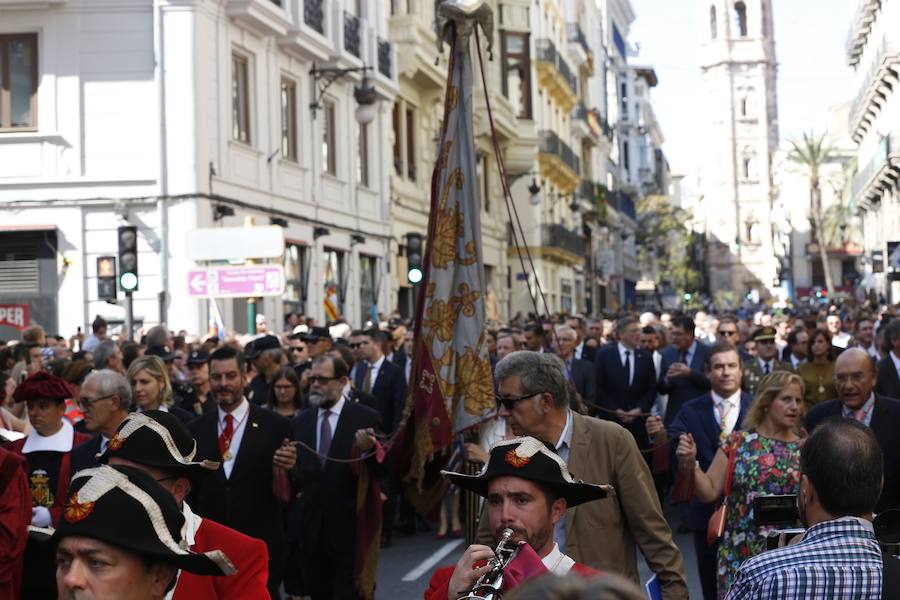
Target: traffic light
[(414, 273), (106, 278), (128, 258)]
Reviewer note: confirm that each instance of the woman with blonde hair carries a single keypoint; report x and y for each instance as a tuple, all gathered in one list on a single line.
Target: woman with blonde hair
[(764, 459), (152, 389)]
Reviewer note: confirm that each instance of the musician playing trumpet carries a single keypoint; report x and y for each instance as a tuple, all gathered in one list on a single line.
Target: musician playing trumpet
[(528, 489)]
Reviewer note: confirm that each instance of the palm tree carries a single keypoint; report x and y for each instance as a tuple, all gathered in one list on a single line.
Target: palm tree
[(811, 153)]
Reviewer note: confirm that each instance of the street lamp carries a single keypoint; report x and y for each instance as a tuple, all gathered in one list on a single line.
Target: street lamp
[(364, 93)]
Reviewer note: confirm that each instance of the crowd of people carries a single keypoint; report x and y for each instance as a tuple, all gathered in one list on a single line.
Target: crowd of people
[(242, 457)]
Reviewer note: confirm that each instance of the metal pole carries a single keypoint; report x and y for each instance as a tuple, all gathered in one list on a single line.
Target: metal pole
[(129, 317), (251, 316)]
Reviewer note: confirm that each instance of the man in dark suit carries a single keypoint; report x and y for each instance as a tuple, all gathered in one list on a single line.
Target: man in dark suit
[(626, 380), (326, 514), (105, 401), (682, 367), (579, 373), (582, 351), (889, 367), (250, 442), (709, 419), (854, 377), (796, 350)]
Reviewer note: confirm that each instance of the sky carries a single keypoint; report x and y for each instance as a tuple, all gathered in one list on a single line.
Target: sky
[(813, 74)]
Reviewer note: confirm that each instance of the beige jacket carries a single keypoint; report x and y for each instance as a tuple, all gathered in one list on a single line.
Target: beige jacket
[(603, 534)]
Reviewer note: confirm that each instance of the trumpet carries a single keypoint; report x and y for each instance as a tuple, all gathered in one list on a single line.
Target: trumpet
[(488, 585)]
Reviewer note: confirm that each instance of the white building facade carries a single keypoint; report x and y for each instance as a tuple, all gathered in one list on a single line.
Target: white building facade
[(178, 116), (873, 50)]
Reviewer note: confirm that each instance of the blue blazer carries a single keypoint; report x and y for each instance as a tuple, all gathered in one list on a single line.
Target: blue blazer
[(583, 380), (696, 417), (682, 389)]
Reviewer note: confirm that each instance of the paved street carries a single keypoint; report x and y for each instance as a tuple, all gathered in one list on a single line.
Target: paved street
[(405, 568)]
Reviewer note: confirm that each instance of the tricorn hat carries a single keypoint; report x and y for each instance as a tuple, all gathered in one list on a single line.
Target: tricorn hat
[(531, 459), (125, 507), (156, 438)]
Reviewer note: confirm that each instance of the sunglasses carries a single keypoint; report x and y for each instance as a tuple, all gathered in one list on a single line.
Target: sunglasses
[(85, 403), (510, 402), (727, 332), (358, 345), (319, 379), (298, 348)]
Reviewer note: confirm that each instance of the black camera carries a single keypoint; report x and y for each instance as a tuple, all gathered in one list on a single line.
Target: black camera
[(779, 511)]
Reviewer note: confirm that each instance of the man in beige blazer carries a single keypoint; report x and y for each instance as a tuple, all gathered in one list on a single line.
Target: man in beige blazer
[(534, 401)]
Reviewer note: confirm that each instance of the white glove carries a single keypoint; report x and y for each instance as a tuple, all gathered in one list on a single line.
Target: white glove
[(40, 516)]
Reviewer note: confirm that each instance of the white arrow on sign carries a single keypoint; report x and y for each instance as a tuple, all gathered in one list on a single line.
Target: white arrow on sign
[(198, 283)]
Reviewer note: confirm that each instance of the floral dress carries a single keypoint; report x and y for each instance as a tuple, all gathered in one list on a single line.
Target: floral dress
[(763, 466)]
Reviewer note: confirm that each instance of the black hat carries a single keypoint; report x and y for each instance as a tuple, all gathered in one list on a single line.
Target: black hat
[(317, 333), (125, 507), (764, 334), (156, 438), (164, 352), (198, 357), (534, 460), (261, 344)]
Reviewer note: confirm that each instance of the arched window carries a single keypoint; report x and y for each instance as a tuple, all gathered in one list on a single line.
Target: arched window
[(713, 25), (740, 15), (747, 167)]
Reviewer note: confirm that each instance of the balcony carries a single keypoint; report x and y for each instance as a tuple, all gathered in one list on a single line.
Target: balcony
[(880, 173), (314, 15), (351, 34), (581, 127), (266, 17), (384, 57), (555, 75), (878, 84), (558, 162), (623, 203), (863, 18), (557, 236), (579, 50)]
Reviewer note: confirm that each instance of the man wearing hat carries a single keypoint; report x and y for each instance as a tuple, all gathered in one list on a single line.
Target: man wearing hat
[(318, 341), (197, 363), (120, 538), (765, 362), (267, 356), (528, 489), (159, 444)]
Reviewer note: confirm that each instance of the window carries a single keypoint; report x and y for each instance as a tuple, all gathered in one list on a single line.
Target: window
[(623, 99), (482, 171), (240, 98), (329, 150), (289, 119), (18, 81), (740, 16), (368, 302), (410, 143), (713, 26), (747, 103), (626, 159), (398, 140), (516, 76), (296, 278), (334, 283), (747, 168), (764, 18), (362, 163)]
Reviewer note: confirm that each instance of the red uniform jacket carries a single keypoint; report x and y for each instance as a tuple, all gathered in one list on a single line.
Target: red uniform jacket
[(15, 516), (249, 556), (437, 587)]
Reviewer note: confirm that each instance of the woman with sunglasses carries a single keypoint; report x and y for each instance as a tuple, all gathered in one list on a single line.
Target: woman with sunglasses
[(152, 389), (285, 395)]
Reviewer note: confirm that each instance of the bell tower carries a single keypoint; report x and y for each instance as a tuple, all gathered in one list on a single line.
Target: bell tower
[(739, 137)]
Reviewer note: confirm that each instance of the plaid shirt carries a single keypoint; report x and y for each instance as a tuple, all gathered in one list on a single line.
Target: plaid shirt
[(835, 559)]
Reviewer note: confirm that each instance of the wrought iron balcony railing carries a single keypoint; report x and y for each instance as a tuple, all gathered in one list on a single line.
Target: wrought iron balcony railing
[(546, 52), (351, 34), (384, 57), (551, 144), (314, 15)]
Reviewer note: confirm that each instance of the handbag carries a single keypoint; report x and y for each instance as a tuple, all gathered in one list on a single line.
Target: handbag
[(716, 526)]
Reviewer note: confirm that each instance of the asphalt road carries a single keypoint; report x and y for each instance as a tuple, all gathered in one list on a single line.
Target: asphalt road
[(405, 568)]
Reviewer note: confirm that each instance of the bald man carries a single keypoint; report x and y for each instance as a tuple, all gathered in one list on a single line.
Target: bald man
[(854, 378)]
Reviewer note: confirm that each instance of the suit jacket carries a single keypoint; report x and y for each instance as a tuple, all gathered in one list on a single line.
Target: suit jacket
[(614, 392), (753, 373), (326, 512), (582, 377), (248, 555), (389, 389), (245, 501), (682, 389), (888, 383), (83, 456), (697, 418), (589, 353), (603, 534), (885, 417)]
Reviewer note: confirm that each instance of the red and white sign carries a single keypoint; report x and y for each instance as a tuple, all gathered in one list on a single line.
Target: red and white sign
[(14, 315), (236, 282)]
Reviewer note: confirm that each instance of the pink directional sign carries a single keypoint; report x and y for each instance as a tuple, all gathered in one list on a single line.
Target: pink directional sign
[(236, 282)]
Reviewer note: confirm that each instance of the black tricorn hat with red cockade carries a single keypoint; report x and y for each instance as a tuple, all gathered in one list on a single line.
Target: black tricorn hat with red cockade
[(531, 459), (125, 507)]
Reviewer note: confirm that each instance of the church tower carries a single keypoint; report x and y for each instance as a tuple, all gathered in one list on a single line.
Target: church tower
[(740, 135)]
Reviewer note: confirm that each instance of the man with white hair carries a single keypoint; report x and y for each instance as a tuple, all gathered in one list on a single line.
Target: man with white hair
[(105, 401)]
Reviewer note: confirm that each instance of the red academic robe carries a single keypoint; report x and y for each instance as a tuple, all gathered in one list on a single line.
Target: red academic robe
[(249, 556), (437, 586), (15, 517)]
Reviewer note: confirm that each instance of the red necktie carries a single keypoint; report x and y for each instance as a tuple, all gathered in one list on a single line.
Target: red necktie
[(226, 435)]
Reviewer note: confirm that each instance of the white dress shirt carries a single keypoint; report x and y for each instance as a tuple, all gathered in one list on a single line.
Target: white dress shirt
[(376, 367), (557, 562), (796, 362), (731, 408), (579, 350), (239, 423), (841, 340), (332, 419), (563, 444)]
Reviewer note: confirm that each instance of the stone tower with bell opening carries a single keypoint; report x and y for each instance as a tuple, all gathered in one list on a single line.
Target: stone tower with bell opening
[(739, 137)]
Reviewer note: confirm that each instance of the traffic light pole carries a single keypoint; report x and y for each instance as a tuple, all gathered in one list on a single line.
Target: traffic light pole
[(129, 317)]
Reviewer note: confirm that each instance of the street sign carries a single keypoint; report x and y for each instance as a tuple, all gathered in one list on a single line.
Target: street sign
[(236, 282), (14, 315), (235, 243)]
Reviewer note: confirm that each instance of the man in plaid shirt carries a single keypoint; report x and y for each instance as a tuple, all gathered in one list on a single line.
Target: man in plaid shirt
[(838, 556)]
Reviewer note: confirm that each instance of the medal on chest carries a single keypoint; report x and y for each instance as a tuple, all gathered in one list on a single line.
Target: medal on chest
[(227, 456), (40, 488)]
